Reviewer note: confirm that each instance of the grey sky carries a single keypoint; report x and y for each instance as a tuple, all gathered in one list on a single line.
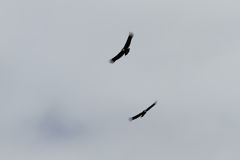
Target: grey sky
[(61, 99)]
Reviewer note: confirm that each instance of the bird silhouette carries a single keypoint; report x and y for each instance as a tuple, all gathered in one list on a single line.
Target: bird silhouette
[(143, 112), (125, 50)]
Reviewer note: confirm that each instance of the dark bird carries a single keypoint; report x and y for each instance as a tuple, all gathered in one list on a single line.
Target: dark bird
[(143, 112), (125, 50)]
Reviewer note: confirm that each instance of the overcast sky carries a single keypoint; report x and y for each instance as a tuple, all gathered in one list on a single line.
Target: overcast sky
[(60, 98)]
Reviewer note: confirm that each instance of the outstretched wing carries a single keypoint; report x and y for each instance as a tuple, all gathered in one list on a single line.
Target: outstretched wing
[(119, 55), (127, 44), (151, 106), (143, 112), (135, 117)]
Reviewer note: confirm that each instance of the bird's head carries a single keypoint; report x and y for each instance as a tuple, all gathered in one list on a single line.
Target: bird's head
[(126, 51), (143, 113)]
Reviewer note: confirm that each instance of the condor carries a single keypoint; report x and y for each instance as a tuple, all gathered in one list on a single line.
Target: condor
[(143, 112), (125, 50)]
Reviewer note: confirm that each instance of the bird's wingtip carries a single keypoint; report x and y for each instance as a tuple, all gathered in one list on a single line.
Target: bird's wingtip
[(155, 103), (131, 33), (130, 119), (111, 61)]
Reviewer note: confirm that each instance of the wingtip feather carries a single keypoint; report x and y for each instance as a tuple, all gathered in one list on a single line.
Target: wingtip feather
[(111, 61), (130, 119), (131, 34)]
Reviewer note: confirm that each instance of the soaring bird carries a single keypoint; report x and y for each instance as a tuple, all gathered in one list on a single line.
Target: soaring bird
[(143, 112), (125, 50)]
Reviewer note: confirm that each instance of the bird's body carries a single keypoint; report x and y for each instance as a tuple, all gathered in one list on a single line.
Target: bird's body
[(125, 50), (143, 112)]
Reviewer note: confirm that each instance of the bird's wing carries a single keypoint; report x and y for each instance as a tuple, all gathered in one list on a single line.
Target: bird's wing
[(151, 106), (135, 117), (119, 55), (127, 44)]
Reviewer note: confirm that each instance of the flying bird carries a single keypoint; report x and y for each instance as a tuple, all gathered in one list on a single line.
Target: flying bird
[(125, 50), (143, 112)]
